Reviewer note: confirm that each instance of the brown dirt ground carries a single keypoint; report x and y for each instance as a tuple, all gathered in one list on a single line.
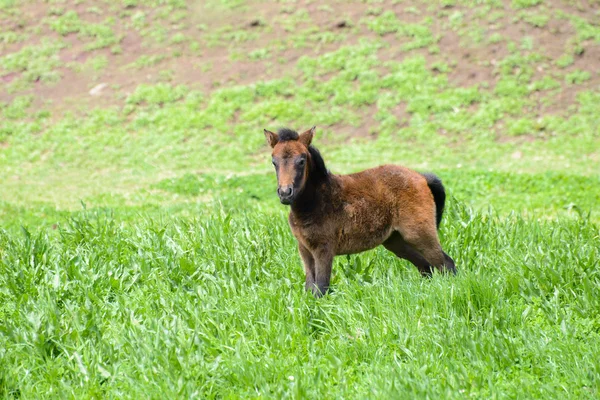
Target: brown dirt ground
[(214, 66)]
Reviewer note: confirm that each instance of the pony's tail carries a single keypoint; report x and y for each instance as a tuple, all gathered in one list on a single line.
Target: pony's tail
[(439, 196)]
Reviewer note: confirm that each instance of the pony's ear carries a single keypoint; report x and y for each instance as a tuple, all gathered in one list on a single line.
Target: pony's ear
[(272, 138), (306, 137)]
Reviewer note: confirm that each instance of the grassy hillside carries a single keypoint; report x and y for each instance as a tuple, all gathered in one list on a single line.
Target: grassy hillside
[(143, 251)]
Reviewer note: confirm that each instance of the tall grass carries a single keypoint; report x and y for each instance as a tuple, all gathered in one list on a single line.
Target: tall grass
[(214, 307)]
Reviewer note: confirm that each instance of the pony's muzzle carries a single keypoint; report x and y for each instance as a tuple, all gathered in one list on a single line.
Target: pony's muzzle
[(285, 193)]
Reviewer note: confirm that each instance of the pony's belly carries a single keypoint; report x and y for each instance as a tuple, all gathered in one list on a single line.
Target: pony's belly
[(358, 241), (364, 225)]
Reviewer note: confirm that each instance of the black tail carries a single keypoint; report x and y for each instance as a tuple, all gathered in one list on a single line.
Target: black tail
[(439, 196)]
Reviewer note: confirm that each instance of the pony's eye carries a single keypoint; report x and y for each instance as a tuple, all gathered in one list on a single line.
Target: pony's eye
[(301, 162)]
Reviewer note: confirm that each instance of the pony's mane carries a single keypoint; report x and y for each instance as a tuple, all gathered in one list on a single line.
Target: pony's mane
[(319, 171), (286, 134)]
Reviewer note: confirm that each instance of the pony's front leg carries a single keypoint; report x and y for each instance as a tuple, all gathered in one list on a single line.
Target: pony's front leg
[(323, 260), (309, 266)]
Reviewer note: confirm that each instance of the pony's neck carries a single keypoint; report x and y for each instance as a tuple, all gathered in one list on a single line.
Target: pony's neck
[(308, 200), (316, 189)]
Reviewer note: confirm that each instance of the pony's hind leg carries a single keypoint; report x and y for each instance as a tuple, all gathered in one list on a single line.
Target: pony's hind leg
[(401, 249), (449, 262), (432, 251), (425, 241)]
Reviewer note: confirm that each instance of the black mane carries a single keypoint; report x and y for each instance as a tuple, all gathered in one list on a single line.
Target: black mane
[(286, 134), (318, 170)]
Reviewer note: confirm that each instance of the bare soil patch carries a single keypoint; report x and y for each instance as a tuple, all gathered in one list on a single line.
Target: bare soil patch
[(221, 56)]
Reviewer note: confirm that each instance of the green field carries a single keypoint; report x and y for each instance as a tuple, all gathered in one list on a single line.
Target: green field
[(143, 249)]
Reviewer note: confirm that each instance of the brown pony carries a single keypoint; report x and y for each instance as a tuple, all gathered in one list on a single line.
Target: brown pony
[(346, 214)]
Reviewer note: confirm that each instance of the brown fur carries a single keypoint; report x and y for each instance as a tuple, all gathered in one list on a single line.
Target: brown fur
[(347, 214)]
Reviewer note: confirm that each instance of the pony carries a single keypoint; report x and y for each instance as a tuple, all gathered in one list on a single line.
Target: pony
[(332, 215)]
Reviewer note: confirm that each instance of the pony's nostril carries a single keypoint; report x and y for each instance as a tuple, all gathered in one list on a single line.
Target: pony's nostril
[(286, 191)]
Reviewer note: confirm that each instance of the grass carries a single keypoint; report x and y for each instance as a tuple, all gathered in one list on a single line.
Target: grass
[(212, 305), (101, 34), (34, 63), (143, 252)]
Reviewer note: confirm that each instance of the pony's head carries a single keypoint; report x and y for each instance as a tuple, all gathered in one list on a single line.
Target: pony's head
[(291, 159)]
